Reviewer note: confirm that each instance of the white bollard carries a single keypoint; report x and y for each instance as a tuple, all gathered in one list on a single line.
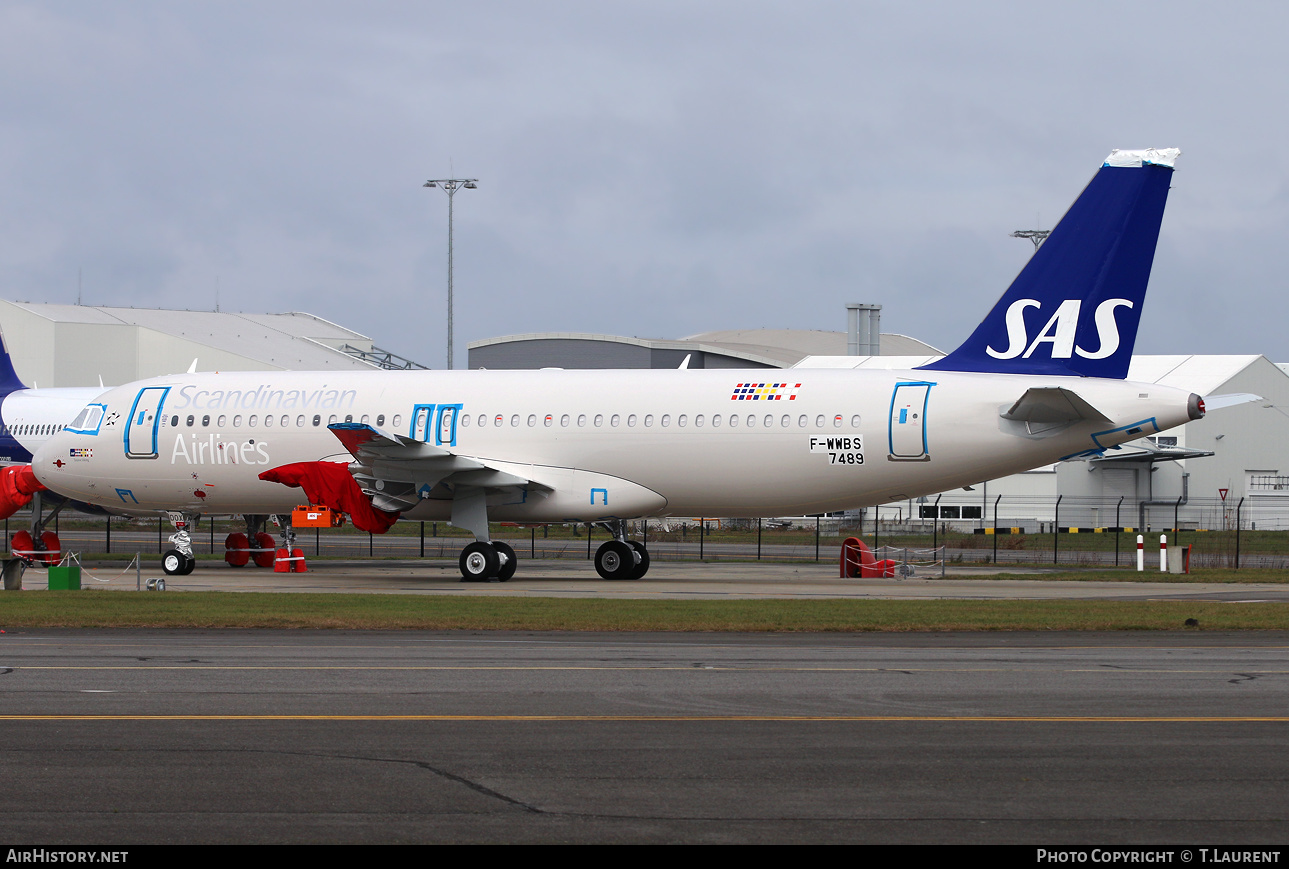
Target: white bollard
[(1141, 553), (1163, 553)]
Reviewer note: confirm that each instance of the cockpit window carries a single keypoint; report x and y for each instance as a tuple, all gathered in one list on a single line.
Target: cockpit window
[(88, 420)]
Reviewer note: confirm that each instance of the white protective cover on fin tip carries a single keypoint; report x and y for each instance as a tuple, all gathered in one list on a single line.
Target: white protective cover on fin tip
[(1144, 157)]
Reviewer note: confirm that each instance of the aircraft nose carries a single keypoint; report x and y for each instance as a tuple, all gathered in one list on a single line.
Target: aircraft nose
[(50, 458)]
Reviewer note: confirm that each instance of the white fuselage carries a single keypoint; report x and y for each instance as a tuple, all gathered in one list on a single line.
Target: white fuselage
[(600, 444)]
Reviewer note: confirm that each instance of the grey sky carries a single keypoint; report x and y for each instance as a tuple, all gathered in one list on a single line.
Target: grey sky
[(652, 169)]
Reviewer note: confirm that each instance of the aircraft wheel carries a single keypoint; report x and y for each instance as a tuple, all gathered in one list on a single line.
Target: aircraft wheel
[(190, 563), (22, 545), (509, 563), (235, 550), (615, 560), (479, 562), (642, 565), (174, 562), (53, 548), (268, 550)]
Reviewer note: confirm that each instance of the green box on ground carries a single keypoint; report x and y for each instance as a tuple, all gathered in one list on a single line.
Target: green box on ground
[(65, 578)]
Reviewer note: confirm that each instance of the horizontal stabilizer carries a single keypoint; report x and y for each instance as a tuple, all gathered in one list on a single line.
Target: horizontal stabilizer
[(1217, 402), (1053, 405)]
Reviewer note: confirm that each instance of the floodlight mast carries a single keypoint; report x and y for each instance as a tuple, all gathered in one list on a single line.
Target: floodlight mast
[(1035, 235), (450, 186)]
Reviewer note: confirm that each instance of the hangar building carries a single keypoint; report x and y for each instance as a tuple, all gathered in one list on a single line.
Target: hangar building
[(75, 345)]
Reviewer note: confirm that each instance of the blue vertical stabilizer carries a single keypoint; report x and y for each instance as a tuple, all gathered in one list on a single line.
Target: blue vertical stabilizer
[(1074, 308)]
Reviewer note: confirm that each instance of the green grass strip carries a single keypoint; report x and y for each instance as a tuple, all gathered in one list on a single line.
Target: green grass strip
[(387, 611)]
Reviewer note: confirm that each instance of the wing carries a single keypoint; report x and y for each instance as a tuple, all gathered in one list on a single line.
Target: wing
[(396, 472)]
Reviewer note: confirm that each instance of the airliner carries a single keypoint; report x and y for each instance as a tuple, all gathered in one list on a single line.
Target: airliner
[(1041, 379), (28, 418)]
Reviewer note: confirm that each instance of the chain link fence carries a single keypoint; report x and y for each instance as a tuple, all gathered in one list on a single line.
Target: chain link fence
[(1246, 532)]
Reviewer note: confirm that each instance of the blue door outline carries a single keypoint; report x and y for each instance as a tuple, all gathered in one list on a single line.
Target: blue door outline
[(422, 420), (906, 428), (445, 433), (143, 423)]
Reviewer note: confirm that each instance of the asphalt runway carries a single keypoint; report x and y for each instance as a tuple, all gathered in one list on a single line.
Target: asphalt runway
[(116, 737), (680, 579)]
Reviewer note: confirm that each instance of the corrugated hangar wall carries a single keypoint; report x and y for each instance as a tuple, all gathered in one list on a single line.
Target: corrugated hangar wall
[(74, 345)]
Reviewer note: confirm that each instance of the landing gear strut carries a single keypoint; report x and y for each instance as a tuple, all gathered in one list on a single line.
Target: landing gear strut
[(484, 559), (621, 558)]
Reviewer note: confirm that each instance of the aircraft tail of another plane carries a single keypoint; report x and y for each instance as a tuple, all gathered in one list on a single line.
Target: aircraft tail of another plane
[(8, 376), (1075, 306)]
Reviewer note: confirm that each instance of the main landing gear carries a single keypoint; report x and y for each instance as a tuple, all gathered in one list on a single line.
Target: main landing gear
[(481, 562), (256, 546), (487, 559), (621, 558)]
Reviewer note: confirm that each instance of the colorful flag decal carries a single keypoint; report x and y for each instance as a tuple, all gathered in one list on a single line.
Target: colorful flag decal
[(765, 392)]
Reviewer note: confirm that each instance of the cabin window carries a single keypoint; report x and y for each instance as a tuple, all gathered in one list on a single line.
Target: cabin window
[(286, 420), (254, 419), (465, 421), (786, 421), (836, 421), (819, 421), (237, 421), (364, 419), (380, 419), (317, 420), (331, 420), (681, 420), (666, 420), (268, 421), (398, 420), (549, 419), (716, 420), (599, 420), (631, 419), (192, 418), (614, 420), (222, 419), (648, 420), (299, 421), (514, 420), (768, 421), (174, 420), (854, 421), (205, 421), (751, 421), (532, 420), (581, 420), (733, 420), (563, 420)]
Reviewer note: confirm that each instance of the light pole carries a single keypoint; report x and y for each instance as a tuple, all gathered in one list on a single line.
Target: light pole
[(450, 186), (1038, 236)]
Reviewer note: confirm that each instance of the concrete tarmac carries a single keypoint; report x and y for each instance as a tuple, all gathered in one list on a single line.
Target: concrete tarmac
[(118, 737), (676, 579)]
